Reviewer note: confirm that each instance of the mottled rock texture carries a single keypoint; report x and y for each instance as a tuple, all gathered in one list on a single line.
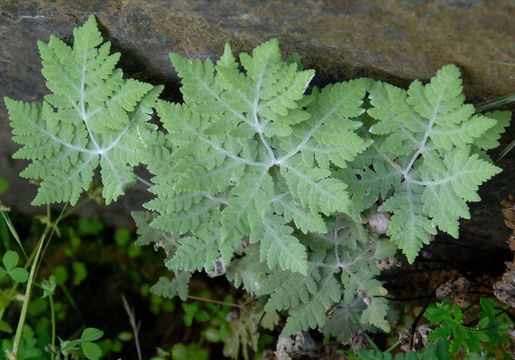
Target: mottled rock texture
[(397, 41)]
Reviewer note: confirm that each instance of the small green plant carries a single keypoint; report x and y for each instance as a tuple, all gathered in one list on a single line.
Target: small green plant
[(484, 338), (85, 346), (491, 329), (436, 351), (10, 262), (26, 341), (260, 177)]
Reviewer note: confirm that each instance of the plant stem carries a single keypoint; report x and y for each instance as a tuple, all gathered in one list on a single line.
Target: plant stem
[(390, 349), (52, 316), (33, 270), (494, 103), (213, 301), (135, 327), (370, 341), (26, 299)]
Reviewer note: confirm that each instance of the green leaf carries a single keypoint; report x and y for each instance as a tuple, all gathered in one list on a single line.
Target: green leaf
[(250, 272), (5, 327), (91, 350), (229, 139), (196, 252), (450, 321), (278, 247), (189, 351), (126, 336), (447, 191), (80, 272), (122, 237), (489, 139), (149, 235), (314, 188), (19, 275), (61, 274), (10, 260), (409, 228), (311, 314), (91, 334)]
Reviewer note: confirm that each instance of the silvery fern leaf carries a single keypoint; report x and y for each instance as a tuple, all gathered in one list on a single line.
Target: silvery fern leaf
[(246, 144), (427, 145), (93, 117)]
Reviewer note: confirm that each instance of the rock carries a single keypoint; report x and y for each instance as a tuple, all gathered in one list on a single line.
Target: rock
[(396, 41)]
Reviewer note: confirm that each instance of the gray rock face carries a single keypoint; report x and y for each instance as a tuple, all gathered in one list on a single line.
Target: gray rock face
[(396, 41)]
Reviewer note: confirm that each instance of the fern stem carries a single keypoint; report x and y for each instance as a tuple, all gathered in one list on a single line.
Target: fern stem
[(143, 181), (422, 145), (259, 129), (214, 301), (494, 103)]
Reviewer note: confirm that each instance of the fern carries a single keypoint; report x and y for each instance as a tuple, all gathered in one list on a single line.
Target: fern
[(257, 177), (429, 146), (339, 266), (238, 135), (93, 116)]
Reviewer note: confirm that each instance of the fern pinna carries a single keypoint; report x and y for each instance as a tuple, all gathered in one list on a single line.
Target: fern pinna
[(258, 179)]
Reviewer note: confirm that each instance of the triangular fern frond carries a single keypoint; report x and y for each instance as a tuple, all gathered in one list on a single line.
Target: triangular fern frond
[(229, 142), (92, 116), (422, 138)]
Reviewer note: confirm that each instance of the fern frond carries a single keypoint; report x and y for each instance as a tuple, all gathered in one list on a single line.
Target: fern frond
[(425, 136), (489, 138), (447, 192), (228, 142), (92, 117)]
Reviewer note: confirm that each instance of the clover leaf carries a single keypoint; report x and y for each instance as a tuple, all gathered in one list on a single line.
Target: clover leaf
[(10, 260)]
